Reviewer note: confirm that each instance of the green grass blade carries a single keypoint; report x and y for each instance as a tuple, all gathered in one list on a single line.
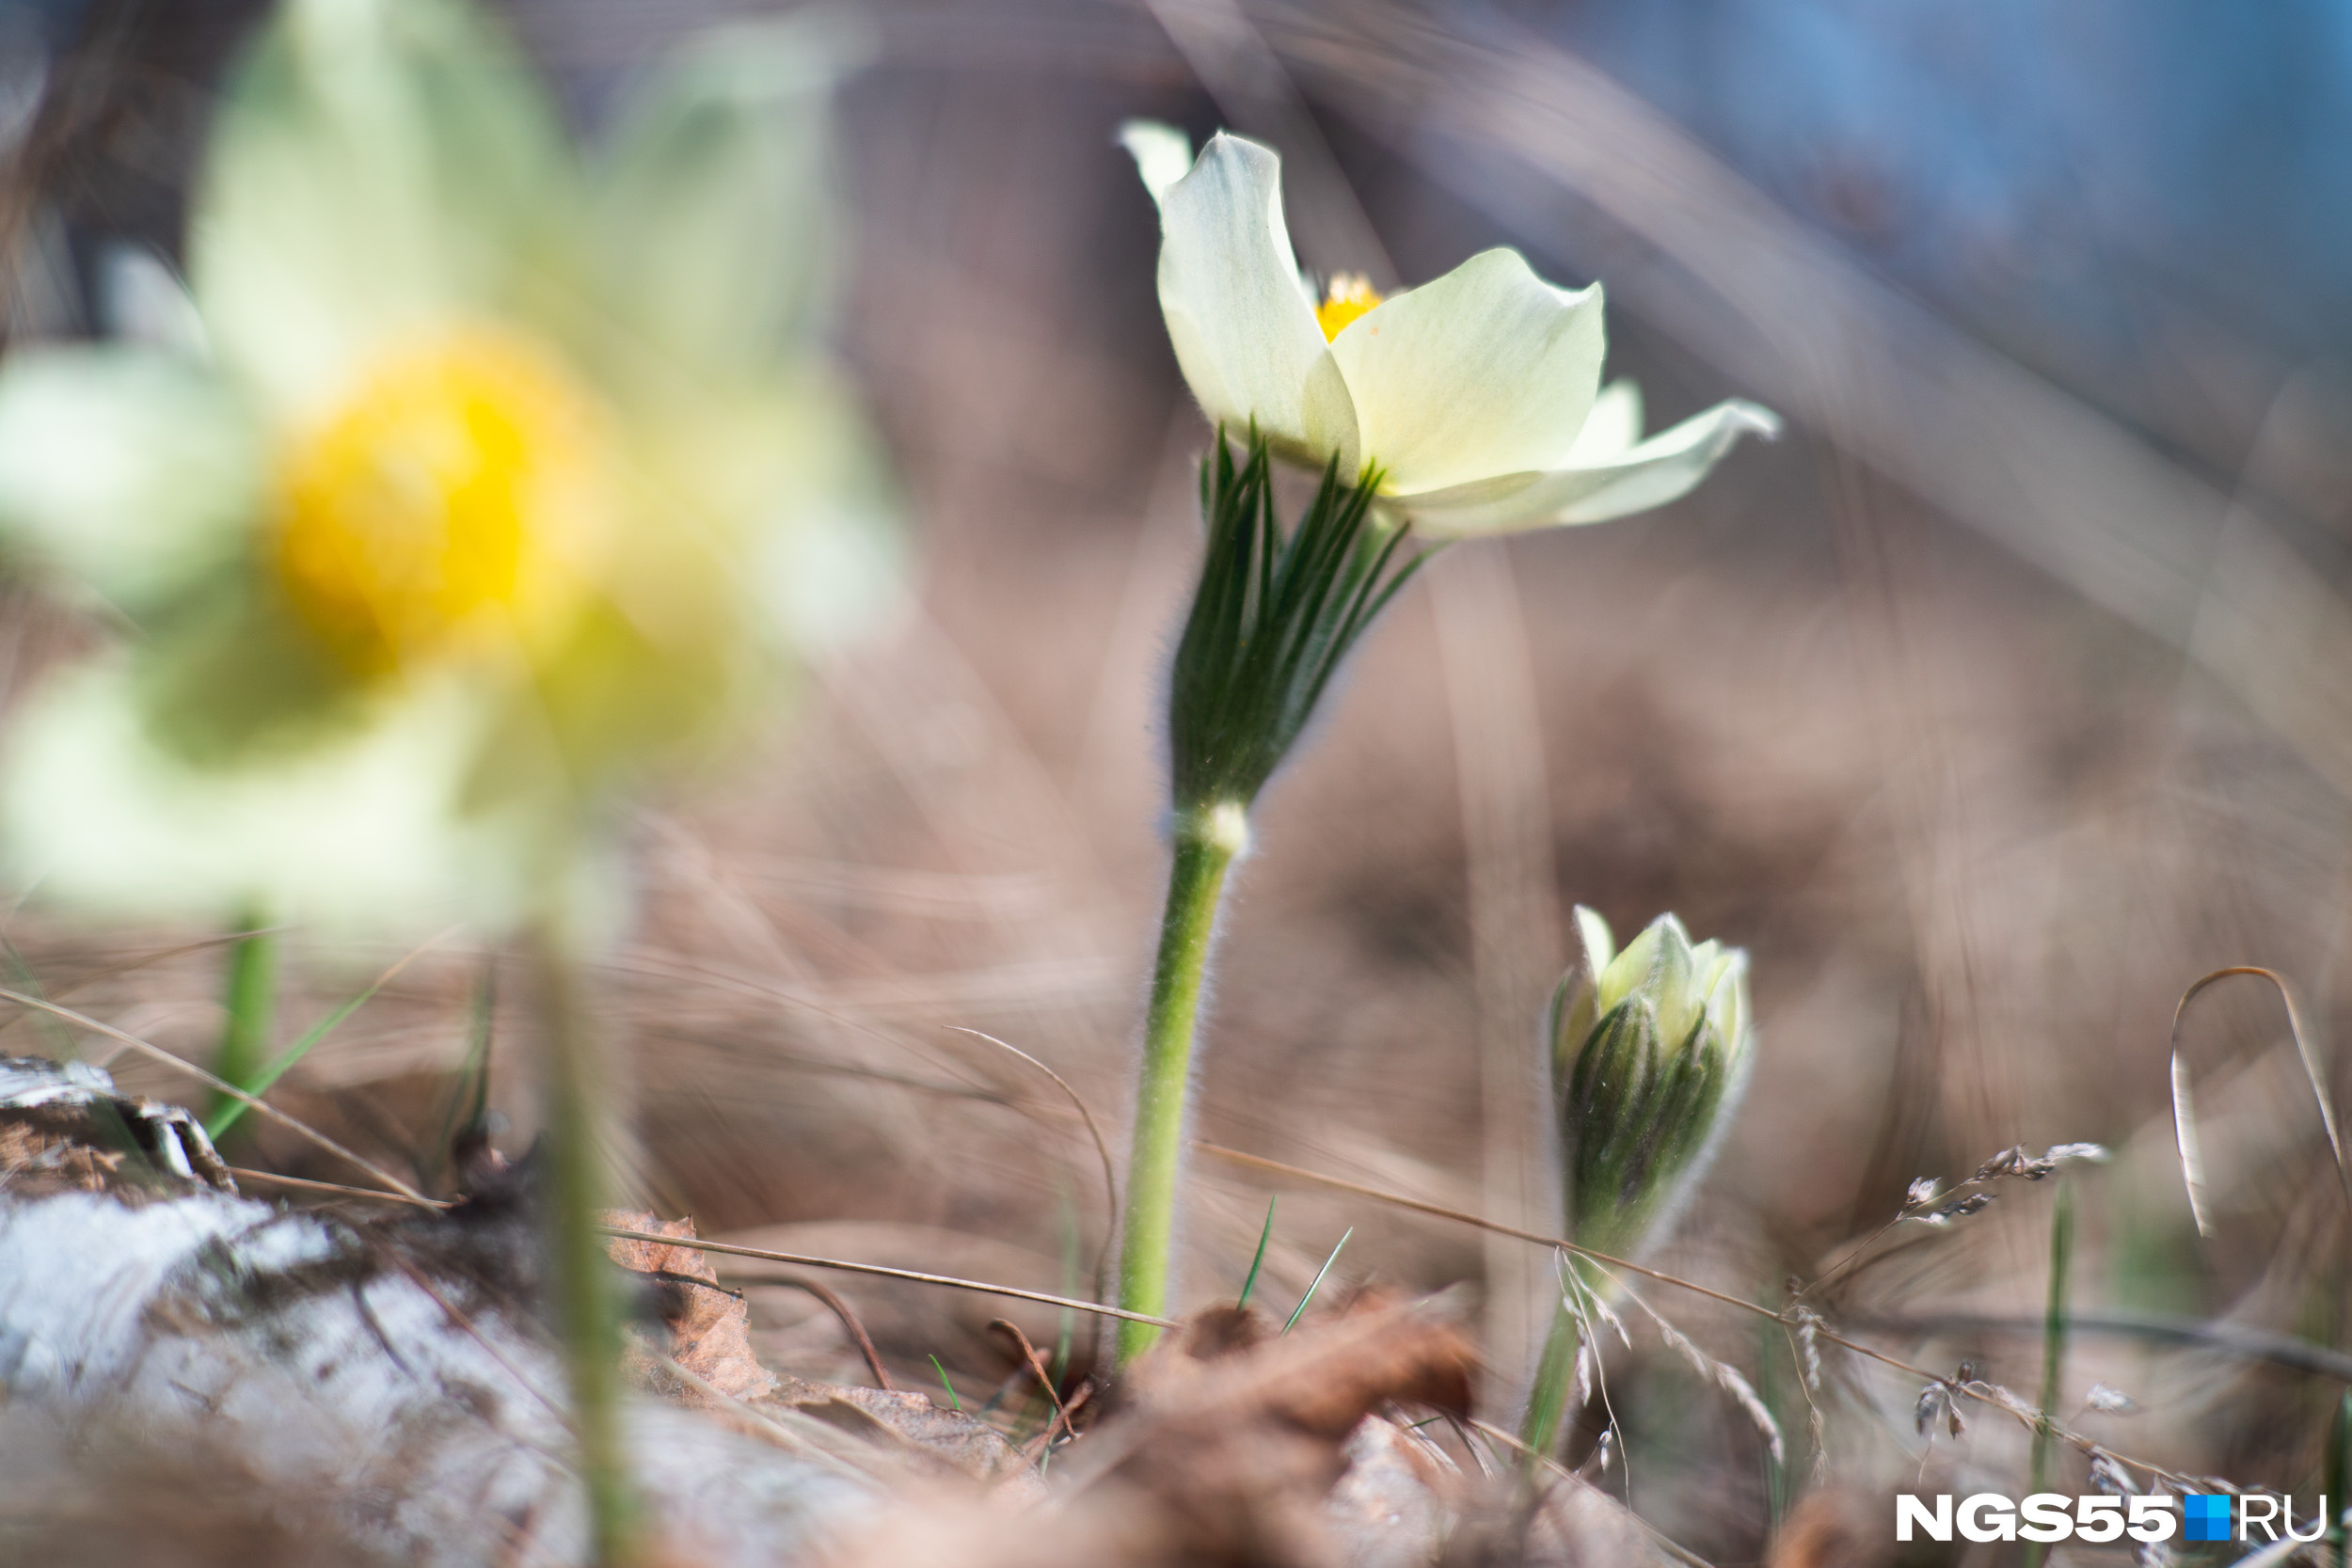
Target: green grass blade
[(953, 1402), (225, 1116), (1317, 1285), (1263, 1236)]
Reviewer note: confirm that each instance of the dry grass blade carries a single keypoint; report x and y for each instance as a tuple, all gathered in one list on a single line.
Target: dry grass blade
[(1811, 1322), (2192, 1155), (881, 1272), (222, 1085), (1094, 1131), (1440, 1210), (1037, 1364), (2303, 1052), (337, 1189)]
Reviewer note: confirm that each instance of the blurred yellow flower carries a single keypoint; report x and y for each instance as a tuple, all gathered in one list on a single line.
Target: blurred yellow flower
[(1477, 396), (471, 477)]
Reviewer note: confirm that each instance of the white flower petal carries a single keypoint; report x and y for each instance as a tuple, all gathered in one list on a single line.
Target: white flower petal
[(1632, 966), (378, 166), (1728, 999), (1163, 154), (1243, 327), (1653, 473), (354, 832), (710, 218), (1488, 370), (1599, 946), (1612, 428), (132, 472)]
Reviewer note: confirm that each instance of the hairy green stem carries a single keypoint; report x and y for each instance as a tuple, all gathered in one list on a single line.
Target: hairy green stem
[(1206, 843), (580, 1123), (251, 999)]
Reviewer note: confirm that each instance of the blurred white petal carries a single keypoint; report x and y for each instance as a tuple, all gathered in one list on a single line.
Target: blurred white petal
[(354, 832), (377, 167), (710, 214), (124, 471)]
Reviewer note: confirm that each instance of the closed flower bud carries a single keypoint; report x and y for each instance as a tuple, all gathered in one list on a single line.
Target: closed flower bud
[(1650, 1051)]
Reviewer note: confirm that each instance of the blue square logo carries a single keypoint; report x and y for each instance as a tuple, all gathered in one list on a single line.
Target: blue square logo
[(2205, 1515)]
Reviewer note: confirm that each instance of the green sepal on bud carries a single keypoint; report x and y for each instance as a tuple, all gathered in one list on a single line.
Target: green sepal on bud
[(1273, 618), (1651, 1053)]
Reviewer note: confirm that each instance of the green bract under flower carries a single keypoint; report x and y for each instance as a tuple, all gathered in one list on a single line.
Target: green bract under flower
[(1650, 1052), (476, 477), (1478, 396)]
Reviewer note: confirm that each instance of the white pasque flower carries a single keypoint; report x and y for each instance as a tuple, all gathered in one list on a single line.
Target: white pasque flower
[(1478, 396), (473, 476)]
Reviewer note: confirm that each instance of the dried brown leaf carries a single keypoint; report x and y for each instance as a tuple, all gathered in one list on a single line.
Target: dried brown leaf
[(709, 1328)]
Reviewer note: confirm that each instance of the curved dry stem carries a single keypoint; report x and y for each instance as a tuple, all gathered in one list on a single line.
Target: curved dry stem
[(850, 1321), (1094, 1131), (2302, 1050)]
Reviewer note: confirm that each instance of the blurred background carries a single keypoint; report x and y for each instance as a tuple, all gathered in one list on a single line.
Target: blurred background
[(2003, 698)]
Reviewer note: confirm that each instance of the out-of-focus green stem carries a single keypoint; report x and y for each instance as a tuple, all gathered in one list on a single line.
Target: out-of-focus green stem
[(2339, 1477), (1206, 842), (580, 1126), (2054, 1326), (1548, 1400), (251, 999)]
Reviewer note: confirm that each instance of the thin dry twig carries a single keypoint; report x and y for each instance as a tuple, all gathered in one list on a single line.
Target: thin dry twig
[(849, 1321), (880, 1271), (222, 1085), (1061, 1422), (337, 1188)]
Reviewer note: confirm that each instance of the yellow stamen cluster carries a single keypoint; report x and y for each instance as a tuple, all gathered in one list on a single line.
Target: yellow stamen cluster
[(452, 502), (1350, 295)]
